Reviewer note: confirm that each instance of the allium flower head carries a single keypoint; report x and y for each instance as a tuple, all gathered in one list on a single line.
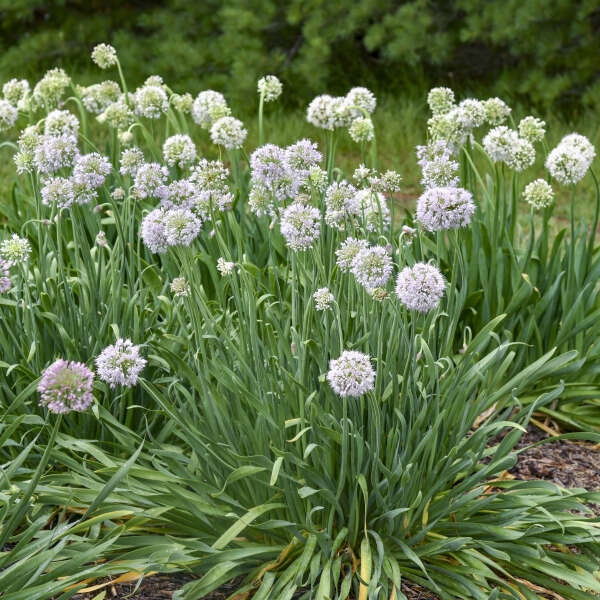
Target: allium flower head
[(352, 374), (58, 191), (539, 194), (360, 98), (440, 100), (27, 143), (55, 152), (117, 115), (341, 203), (300, 225), (389, 182), (179, 150), (496, 111), (372, 267), (269, 87), (66, 386), (91, 170), (504, 144), (228, 132), (182, 102), (302, 156), (131, 160), (120, 364), (361, 130), (150, 101), (149, 178), (323, 298), (97, 97), (225, 267), (181, 225), (361, 173), (15, 250), (532, 129), (471, 113), (153, 232), (269, 168), (420, 287), (348, 250), (445, 208), (49, 90), (181, 193), (208, 107), (180, 287), (437, 165), (104, 55), (5, 283), (328, 112), (571, 159), (8, 115), (450, 127), (212, 180), (15, 91)]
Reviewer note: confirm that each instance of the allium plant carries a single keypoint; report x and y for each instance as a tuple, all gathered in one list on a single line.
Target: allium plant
[(297, 425)]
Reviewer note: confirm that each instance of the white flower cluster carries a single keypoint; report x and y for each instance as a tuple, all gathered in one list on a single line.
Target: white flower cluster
[(269, 87), (300, 225), (330, 112), (442, 208), (323, 299), (539, 194), (372, 267), (120, 364), (420, 287), (506, 145), (179, 150), (228, 132), (208, 107), (351, 374), (104, 55), (571, 159), (225, 267), (438, 167)]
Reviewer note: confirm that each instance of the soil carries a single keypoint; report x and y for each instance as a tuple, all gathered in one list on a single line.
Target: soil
[(570, 464)]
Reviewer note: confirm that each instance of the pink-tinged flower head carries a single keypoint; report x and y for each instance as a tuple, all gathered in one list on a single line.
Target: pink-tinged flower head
[(66, 386)]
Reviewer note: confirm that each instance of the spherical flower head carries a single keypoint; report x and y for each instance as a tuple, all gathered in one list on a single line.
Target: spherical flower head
[(361, 173), (8, 115), (153, 232), (5, 283), (269, 168), (15, 91), (373, 210), (180, 287), (372, 267), (91, 170), (302, 156), (117, 114), (120, 364), (361, 130), (445, 208), (15, 250), (131, 160), (341, 203), (360, 99), (352, 374), (260, 200), (449, 126), (118, 194), (323, 299), (317, 180), (149, 178), (55, 152), (328, 112), (349, 248), (532, 129), (97, 97), (225, 267), (437, 166), (471, 113), (181, 193), (179, 150), (84, 192), (50, 89), (181, 225), (228, 132), (61, 122), (571, 159), (389, 182), (27, 143), (539, 194), (269, 87), (420, 287), (496, 111), (58, 191), (150, 101), (208, 107), (66, 386), (104, 55), (440, 100), (300, 225), (125, 138), (182, 102), (504, 144), (211, 178)]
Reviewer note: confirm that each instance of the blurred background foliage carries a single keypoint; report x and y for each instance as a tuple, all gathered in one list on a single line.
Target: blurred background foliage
[(544, 53)]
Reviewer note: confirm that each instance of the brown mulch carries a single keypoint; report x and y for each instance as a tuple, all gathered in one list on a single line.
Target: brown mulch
[(569, 464)]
